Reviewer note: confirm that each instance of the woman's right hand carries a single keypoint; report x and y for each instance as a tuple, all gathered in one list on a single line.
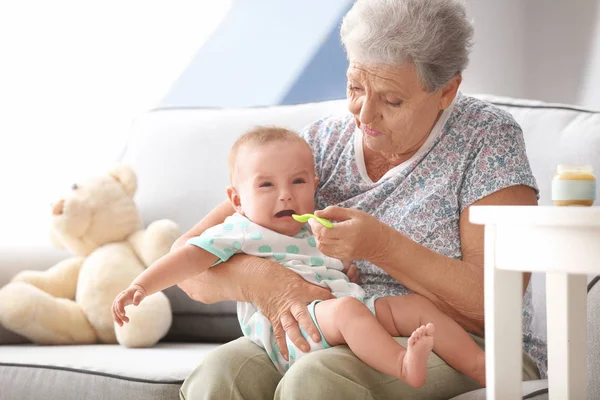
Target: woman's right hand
[(283, 298)]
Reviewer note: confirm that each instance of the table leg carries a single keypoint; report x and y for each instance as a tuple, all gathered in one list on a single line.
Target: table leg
[(503, 326), (566, 297)]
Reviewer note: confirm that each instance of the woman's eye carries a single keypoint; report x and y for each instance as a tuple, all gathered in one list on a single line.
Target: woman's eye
[(353, 88), (394, 103), (265, 184), (299, 180)]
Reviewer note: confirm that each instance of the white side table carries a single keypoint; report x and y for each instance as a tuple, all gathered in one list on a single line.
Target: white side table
[(563, 242)]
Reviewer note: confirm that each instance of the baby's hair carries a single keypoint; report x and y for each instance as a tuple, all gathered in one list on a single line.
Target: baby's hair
[(262, 135)]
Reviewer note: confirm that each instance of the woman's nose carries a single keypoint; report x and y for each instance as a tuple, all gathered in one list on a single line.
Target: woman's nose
[(368, 111)]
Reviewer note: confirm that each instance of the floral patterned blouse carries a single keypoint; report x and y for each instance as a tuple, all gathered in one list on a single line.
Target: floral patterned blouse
[(474, 150)]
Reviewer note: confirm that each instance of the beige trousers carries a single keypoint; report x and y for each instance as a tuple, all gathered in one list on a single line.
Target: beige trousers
[(242, 370)]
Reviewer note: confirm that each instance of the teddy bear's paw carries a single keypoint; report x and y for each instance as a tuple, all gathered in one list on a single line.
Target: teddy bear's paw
[(41, 318), (16, 305), (34, 278), (148, 322), (59, 280)]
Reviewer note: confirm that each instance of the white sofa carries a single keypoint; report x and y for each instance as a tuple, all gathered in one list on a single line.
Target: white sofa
[(180, 158)]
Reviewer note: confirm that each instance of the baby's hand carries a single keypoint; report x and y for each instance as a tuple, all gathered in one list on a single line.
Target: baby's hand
[(351, 271), (134, 294)]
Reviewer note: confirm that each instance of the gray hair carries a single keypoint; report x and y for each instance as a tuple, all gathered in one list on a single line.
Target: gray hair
[(434, 35)]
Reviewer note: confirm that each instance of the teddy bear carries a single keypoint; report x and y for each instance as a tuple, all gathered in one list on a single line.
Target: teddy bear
[(70, 303)]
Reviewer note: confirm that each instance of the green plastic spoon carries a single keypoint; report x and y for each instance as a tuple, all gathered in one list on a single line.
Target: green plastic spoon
[(305, 217)]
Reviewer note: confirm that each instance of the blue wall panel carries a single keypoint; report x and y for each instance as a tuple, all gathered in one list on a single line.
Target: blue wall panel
[(267, 52), (325, 77)]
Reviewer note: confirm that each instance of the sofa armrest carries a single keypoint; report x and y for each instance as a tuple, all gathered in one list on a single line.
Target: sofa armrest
[(14, 259)]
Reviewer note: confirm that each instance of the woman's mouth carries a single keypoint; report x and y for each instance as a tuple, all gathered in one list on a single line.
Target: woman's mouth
[(371, 132)]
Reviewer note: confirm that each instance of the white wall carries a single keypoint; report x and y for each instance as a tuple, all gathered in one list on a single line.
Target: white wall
[(73, 76), (559, 49), (540, 49), (590, 91), (497, 61)]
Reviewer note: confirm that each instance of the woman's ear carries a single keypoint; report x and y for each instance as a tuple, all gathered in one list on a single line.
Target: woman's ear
[(449, 92), (235, 200)]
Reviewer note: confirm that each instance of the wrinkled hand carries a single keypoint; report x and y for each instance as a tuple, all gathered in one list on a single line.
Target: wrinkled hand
[(355, 235), (134, 294), (351, 271), (284, 302)]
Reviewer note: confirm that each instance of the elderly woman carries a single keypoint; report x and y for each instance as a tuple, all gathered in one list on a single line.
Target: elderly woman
[(401, 172)]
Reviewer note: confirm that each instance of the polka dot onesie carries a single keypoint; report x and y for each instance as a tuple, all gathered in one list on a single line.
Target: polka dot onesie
[(299, 253)]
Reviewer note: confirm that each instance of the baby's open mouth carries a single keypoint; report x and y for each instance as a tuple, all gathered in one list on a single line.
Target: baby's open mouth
[(285, 213)]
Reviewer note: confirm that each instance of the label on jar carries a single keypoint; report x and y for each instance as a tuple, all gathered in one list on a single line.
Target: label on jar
[(573, 189)]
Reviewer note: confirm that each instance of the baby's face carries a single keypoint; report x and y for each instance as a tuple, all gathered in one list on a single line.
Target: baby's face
[(274, 181)]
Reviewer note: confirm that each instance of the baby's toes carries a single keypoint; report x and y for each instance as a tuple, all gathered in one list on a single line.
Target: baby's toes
[(412, 340), (430, 329)]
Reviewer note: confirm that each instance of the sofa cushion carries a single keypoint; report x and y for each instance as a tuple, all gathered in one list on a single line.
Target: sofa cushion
[(554, 134), (9, 337), (560, 134), (180, 156), (97, 372), (193, 321)]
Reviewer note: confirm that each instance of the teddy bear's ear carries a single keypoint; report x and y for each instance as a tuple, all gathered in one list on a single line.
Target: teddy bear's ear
[(126, 177)]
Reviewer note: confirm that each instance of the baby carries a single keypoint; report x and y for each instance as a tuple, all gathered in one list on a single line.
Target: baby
[(272, 177)]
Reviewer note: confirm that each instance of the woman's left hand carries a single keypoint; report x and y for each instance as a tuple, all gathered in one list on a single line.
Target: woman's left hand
[(355, 235)]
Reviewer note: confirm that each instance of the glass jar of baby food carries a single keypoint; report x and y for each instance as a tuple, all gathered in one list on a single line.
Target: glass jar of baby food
[(574, 185)]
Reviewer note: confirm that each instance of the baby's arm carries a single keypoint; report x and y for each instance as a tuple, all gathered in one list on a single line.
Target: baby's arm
[(213, 218), (174, 267), (170, 269)]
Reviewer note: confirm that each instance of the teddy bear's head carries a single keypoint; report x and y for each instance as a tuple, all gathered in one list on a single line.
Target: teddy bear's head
[(98, 211)]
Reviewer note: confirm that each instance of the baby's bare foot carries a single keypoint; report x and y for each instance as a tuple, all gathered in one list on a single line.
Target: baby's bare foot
[(413, 365)]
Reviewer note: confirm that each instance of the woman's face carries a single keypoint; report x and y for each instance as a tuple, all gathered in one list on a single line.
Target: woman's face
[(391, 108)]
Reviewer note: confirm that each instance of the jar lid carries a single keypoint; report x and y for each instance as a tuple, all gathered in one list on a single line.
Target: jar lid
[(574, 168)]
